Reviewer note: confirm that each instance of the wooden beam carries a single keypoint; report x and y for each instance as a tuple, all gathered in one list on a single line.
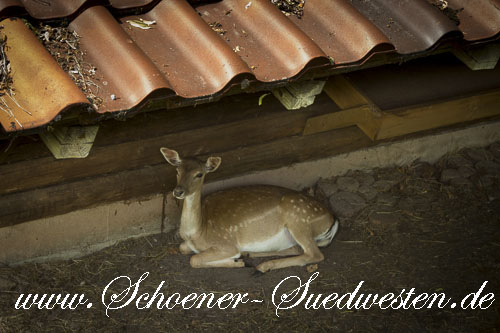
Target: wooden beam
[(381, 125), (357, 109), (344, 93), (405, 121), (126, 146), (135, 183), (479, 58), (365, 117)]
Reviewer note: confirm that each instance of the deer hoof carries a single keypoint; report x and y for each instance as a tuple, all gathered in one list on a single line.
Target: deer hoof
[(257, 274), (264, 267), (239, 262)]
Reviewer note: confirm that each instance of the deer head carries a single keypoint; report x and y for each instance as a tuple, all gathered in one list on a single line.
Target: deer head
[(190, 172)]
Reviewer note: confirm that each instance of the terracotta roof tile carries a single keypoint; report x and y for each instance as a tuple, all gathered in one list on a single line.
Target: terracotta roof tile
[(411, 26), (272, 46), (478, 19), (181, 55), (187, 51), (125, 4), (41, 9), (341, 31), (41, 88), (125, 70)]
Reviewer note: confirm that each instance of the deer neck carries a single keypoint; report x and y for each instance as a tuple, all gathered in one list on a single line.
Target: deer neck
[(191, 216)]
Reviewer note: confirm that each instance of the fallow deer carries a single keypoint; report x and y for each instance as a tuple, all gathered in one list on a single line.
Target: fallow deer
[(258, 221)]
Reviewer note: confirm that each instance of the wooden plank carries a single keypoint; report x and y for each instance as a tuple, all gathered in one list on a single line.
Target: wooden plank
[(405, 121), (264, 127), (344, 94), (367, 119), (131, 184), (66, 197), (153, 124), (381, 125), (357, 109)]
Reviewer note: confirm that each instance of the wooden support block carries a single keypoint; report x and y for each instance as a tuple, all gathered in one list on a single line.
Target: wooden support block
[(382, 125), (70, 142), (357, 109), (299, 95), (344, 94), (484, 57), (365, 117)]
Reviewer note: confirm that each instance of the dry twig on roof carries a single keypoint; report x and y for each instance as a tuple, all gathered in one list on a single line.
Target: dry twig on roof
[(6, 88), (64, 45), (5, 78)]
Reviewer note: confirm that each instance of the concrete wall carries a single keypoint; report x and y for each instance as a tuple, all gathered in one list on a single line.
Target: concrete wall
[(81, 232)]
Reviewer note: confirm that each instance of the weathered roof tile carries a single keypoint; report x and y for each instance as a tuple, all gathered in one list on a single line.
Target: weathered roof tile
[(182, 55), (41, 89)]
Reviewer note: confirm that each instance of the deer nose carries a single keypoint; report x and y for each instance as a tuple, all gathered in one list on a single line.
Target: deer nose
[(178, 192)]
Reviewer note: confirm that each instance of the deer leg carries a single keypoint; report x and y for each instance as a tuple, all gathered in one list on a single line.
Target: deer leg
[(293, 251), (217, 257), (185, 248), (311, 253)]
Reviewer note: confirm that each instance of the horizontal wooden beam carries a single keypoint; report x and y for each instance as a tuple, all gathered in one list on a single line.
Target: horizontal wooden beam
[(388, 124), (114, 151), (344, 93), (406, 121), (365, 117), (132, 184)]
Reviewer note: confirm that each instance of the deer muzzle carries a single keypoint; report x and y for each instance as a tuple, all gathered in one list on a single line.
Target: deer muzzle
[(179, 192)]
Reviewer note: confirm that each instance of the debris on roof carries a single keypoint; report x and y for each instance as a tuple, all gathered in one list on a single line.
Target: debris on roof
[(290, 7), (192, 54), (64, 45), (217, 27), (142, 24), (444, 7), (5, 77), (6, 88)]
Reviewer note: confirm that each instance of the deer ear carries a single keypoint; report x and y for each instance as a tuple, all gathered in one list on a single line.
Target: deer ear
[(171, 156), (212, 164)]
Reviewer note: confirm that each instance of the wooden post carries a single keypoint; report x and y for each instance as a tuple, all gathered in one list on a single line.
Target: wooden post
[(70, 142)]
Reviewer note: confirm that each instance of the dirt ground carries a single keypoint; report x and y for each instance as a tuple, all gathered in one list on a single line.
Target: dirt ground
[(434, 228)]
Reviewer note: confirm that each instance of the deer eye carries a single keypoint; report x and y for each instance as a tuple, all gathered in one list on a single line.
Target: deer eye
[(198, 175)]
